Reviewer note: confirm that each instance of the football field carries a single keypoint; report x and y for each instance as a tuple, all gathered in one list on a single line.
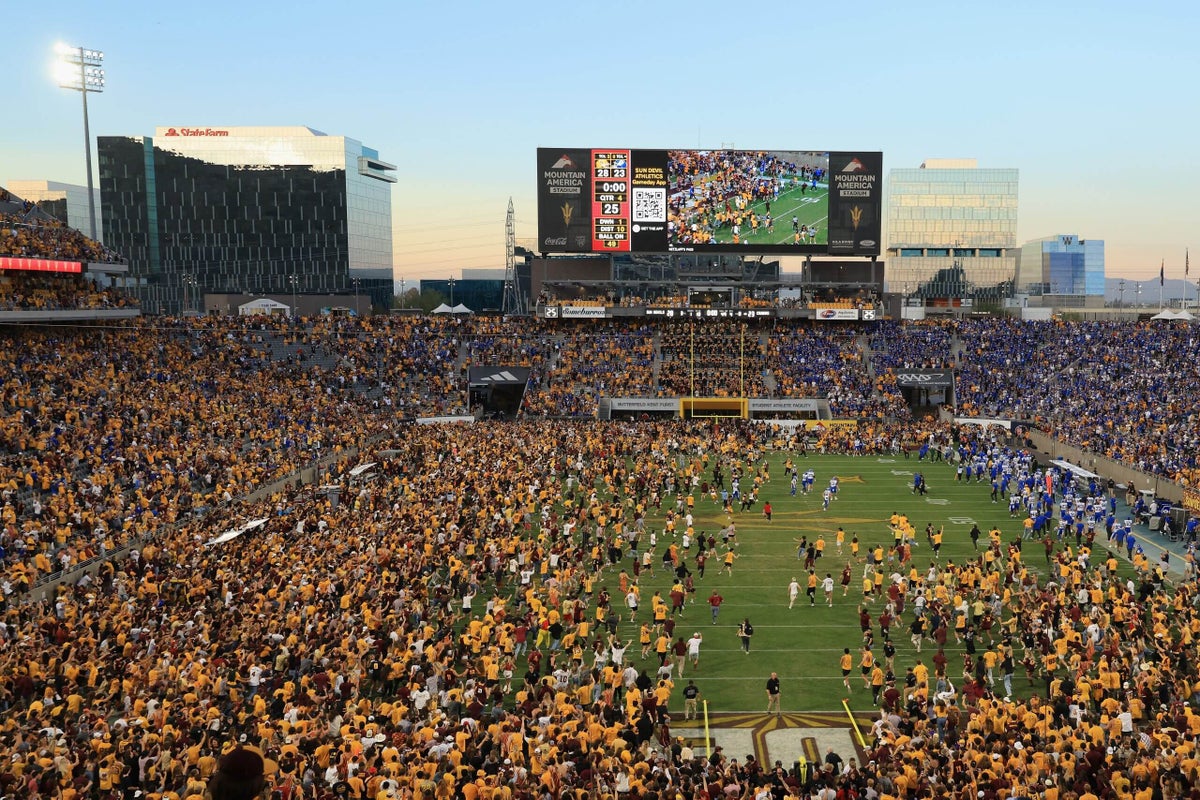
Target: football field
[(810, 208), (804, 644)]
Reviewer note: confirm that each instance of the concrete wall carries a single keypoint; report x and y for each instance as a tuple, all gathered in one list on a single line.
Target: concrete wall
[(1106, 467)]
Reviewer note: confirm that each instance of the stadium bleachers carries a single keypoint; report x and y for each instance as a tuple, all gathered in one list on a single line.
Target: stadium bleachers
[(34, 234), (330, 627)]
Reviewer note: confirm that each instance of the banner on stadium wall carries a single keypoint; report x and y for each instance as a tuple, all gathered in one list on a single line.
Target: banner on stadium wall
[(983, 422), (575, 312), (926, 378), (837, 314), (644, 404), (822, 424), (769, 404), (583, 312), (1191, 500)]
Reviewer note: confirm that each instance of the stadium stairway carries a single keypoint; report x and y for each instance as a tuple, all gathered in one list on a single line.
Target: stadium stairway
[(864, 348)]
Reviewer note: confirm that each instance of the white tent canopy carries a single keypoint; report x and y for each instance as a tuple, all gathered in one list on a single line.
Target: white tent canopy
[(461, 309), (1167, 313), (443, 309), (263, 305)]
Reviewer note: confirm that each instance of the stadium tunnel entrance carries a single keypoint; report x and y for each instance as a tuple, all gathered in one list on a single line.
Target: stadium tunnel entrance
[(496, 391), (926, 389)]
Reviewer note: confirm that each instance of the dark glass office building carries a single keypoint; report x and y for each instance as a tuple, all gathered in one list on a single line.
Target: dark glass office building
[(256, 210)]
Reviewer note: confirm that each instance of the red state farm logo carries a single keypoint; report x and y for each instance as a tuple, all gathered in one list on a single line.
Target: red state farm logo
[(196, 132), (854, 166)]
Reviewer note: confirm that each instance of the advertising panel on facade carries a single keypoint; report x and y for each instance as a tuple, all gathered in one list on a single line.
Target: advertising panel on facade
[(709, 201), (836, 314)]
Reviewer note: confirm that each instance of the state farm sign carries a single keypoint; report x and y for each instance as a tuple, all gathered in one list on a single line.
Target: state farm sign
[(196, 132)]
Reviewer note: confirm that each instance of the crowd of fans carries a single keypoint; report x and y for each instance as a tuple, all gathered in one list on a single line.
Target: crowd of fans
[(378, 641), (896, 345), (21, 291), (594, 361), (713, 359), (27, 232), (85, 412), (829, 363), (452, 628), (1124, 390)]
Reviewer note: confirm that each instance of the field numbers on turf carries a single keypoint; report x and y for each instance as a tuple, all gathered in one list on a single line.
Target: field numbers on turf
[(961, 520), (901, 472), (937, 501), (886, 460)]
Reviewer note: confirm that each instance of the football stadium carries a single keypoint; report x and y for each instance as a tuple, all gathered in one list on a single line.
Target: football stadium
[(747, 547)]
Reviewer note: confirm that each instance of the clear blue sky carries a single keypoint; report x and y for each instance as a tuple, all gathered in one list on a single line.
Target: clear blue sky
[(1095, 103)]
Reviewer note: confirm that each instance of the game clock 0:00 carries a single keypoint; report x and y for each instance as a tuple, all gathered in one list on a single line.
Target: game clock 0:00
[(610, 200)]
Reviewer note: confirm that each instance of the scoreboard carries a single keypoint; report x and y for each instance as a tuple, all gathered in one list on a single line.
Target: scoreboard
[(621, 200), (610, 201)]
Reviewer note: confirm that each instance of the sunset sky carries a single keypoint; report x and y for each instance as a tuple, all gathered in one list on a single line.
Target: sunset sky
[(1094, 103)]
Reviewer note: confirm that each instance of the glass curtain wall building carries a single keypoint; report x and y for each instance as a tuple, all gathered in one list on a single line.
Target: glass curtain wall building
[(286, 210), (1064, 270), (952, 230)]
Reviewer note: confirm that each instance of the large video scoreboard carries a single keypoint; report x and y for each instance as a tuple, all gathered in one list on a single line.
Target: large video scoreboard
[(615, 200)]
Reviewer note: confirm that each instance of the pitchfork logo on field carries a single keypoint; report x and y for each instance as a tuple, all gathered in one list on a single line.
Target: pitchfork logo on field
[(854, 166), (564, 162)]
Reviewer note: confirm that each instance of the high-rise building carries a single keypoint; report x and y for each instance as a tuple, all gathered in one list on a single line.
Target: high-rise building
[(1064, 270), (64, 201), (286, 210), (951, 230)]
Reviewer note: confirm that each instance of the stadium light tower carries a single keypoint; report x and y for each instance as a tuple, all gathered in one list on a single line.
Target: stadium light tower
[(294, 280), (79, 69)]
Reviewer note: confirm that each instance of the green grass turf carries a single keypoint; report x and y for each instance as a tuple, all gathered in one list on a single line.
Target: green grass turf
[(804, 644), (791, 203)]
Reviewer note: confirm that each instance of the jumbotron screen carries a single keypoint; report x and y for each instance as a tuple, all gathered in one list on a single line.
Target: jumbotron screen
[(616, 200)]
